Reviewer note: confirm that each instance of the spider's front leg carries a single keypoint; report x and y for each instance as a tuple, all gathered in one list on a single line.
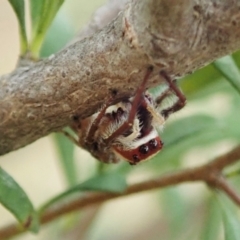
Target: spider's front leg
[(181, 102), (95, 124), (132, 114), (89, 131)]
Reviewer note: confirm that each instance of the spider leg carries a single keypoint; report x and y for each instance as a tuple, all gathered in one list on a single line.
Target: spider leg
[(96, 122), (70, 137), (181, 102), (163, 95), (136, 101)]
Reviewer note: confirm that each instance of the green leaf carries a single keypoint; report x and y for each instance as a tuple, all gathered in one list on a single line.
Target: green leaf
[(229, 70), (58, 35), (187, 127), (230, 218), (114, 183), (17, 202), (195, 85), (210, 230), (36, 12), (42, 15), (18, 7), (106, 182), (175, 210), (65, 148), (231, 226), (184, 134)]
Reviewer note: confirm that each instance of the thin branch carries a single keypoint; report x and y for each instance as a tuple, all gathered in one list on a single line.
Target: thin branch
[(81, 228), (222, 184), (224, 160), (203, 173), (178, 36)]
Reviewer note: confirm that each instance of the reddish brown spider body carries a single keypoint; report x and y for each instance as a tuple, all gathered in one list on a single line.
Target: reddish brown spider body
[(128, 129)]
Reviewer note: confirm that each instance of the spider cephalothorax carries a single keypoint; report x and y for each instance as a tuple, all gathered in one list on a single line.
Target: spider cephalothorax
[(128, 129)]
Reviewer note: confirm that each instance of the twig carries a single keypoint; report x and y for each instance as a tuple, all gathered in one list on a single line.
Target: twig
[(222, 184), (209, 173)]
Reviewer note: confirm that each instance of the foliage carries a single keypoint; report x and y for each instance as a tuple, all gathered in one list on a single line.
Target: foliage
[(202, 128), (42, 14)]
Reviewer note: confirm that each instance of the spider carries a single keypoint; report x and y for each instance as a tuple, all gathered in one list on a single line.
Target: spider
[(128, 129)]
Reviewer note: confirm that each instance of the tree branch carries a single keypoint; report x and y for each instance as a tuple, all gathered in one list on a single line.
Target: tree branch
[(209, 173), (177, 36), (222, 184)]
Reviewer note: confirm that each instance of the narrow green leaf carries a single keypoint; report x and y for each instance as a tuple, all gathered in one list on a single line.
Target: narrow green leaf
[(229, 70), (65, 148), (175, 210), (36, 10), (60, 32), (211, 227), (114, 183), (230, 218), (42, 14), (181, 135), (17, 202), (196, 84), (187, 127), (18, 7), (233, 173), (231, 225)]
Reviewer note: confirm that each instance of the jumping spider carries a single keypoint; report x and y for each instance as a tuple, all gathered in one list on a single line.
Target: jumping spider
[(128, 129)]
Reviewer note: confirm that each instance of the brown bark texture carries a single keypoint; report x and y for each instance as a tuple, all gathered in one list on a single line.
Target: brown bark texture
[(178, 36)]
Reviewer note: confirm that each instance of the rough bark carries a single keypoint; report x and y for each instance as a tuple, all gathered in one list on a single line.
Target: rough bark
[(178, 36)]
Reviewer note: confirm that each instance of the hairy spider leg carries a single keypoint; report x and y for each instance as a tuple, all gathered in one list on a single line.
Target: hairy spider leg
[(162, 96), (181, 102), (159, 99), (96, 122), (136, 101), (92, 130)]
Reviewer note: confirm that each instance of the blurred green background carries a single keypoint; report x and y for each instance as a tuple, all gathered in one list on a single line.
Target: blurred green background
[(207, 127)]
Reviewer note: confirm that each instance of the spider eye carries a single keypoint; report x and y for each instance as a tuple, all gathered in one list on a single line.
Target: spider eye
[(153, 143), (144, 149)]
